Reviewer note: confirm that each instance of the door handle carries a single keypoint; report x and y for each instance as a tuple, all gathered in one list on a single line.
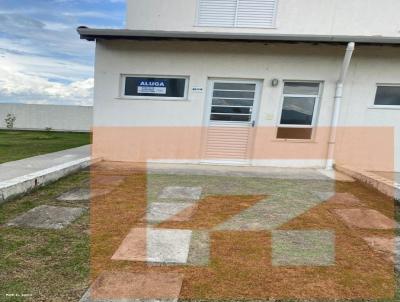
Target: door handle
[(253, 123)]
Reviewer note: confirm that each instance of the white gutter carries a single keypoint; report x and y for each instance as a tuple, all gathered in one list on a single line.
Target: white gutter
[(337, 105)]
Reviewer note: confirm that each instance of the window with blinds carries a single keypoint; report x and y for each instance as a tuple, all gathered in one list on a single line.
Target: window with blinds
[(237, 13)]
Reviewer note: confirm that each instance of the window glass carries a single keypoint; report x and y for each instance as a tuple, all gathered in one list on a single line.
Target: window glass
[(233, 94), (155, 87), (388, 96), (234, 86), (303, 88), (230, 117), (233, 102), (297, 111), (234, 110)]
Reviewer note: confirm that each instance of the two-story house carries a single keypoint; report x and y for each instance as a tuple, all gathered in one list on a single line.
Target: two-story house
[(300, 83)]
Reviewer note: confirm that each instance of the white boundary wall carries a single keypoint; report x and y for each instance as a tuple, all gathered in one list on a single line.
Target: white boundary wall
[(40, 117)]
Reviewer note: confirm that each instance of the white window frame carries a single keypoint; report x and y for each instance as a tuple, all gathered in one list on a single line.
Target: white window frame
[(273, 23), (373, 106), (315, 112), (122, 94)]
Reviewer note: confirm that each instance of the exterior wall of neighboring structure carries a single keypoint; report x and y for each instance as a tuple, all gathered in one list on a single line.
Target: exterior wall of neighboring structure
[(120, 122), (40, 117), (319, 17)]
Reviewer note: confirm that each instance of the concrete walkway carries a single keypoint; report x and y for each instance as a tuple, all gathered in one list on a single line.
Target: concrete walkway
[(247, 171), (18, 177), (387, 183)]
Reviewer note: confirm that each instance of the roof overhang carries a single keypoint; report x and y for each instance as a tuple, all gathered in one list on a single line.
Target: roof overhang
[(92, 34)]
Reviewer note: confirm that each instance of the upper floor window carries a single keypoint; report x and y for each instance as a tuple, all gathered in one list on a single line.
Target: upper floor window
[(387, 95), (237, 13)]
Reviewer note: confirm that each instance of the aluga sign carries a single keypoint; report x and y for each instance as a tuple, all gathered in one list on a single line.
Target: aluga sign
[(152, 87)]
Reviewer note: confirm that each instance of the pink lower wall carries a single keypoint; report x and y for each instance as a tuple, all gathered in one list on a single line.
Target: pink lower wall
[(369, 148)]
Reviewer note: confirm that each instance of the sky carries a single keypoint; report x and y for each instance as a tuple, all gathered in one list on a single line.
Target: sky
[(42, 59)]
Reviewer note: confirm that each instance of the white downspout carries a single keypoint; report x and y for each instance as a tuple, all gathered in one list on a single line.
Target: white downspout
[(337, 105)]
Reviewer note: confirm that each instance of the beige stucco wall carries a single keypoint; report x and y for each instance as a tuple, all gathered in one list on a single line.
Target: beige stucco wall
[(370, 66), (203, 60), (323, 17)]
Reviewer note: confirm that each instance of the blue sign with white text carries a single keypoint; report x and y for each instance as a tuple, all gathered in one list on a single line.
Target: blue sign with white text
[(155, 87)]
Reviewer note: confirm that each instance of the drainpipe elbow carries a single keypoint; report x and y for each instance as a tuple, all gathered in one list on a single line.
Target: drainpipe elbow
[(351, 46)]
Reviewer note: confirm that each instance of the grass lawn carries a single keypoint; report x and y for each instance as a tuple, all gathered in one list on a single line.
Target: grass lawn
[(46, 265), (16, 145), (56, 265)]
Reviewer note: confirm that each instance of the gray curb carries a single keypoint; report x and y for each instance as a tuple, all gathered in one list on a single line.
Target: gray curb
[(23, 184)]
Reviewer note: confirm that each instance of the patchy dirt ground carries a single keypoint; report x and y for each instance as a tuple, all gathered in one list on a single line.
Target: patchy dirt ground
[(240, 215), (236, 225)]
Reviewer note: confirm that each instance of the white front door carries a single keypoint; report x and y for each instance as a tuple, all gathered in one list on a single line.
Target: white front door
[(231, 117)]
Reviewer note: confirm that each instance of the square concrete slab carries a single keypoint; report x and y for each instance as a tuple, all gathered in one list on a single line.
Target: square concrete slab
[(165, 246), (133, 247), (47, 217), (365, 219), (303, 248), (81, 194), (162, 211), (388, 247), (168, 246), (199, 253), (383, 245), (190, 193), (135, 287)]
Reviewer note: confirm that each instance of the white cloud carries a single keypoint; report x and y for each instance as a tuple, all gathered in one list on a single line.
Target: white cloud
[(44, 62), (33, 79), (42, 59), (45, 67), (20, 87)]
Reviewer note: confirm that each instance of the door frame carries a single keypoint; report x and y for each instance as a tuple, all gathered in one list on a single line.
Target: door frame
[(254, 117)]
